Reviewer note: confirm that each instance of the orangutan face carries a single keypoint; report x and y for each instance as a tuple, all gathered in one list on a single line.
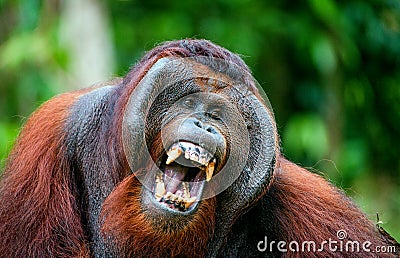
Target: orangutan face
[(201, 127)]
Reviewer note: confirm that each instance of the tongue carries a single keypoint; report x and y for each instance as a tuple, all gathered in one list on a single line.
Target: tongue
[(174, 174)]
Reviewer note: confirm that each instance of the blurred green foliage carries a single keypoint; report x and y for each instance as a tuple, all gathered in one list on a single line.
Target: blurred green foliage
[(330, 68)]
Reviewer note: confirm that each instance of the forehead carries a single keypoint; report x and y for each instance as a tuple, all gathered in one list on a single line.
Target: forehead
[(210, 74), (174, 77), (210, 98)]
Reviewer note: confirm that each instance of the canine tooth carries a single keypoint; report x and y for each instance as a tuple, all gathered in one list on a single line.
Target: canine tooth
[(186, 192), (189, 202), (210, 170), (173, 154), (160, 189)]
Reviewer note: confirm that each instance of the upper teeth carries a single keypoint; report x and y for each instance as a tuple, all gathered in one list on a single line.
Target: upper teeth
[(210, 170), (194, 153), (173, 153)]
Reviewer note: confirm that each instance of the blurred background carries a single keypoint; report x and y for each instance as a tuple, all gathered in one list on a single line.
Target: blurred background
[(331, 70)]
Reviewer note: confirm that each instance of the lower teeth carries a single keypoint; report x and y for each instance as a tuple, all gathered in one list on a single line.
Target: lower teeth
[(179, 202)]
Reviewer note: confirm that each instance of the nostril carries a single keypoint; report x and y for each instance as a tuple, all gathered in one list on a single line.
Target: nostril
[(208, 128), (198, 124), (211, 129)]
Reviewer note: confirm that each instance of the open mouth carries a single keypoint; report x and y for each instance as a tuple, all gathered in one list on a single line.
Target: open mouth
[(184, 169)]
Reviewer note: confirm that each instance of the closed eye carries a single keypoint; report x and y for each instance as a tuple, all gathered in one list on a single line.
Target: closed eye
[(189, 102), (215, 114)]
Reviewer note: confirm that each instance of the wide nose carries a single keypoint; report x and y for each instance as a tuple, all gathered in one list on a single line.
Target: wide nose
[(197, 123)]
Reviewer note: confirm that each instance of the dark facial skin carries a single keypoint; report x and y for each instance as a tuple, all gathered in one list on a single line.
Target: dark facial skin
[(206, 104), (201, 118), (206, 120)]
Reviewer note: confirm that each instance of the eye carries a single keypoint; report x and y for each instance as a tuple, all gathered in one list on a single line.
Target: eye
[(215, 114), (189, 102)]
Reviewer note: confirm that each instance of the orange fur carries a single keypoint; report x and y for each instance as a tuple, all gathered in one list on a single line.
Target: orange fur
[(38, 212), (126, 222), (40, 215), (307, 208)]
